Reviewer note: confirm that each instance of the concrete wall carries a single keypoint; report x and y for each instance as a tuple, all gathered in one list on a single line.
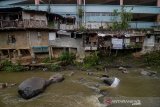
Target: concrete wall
[(149, 43), (39, 38), (68, 42), (21, 40)]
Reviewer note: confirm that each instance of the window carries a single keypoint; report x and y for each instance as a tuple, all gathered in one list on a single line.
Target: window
[(72, 35), (57, 36), (11, 39), (52, 36)]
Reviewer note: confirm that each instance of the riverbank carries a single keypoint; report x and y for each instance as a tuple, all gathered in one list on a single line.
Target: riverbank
[(82, 85), (93, 62)]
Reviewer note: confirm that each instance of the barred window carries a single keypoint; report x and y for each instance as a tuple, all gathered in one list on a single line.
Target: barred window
[(11, 39)]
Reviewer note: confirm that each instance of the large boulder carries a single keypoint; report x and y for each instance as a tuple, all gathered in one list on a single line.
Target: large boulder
[(36, 85), (32, 87)]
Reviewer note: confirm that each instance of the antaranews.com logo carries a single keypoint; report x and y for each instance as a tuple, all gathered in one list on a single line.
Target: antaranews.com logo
[(109, 101)]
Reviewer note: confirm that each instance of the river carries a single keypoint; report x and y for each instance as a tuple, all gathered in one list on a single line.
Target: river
[(80, 90)]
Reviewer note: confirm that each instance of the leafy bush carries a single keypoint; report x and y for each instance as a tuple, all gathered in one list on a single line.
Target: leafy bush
[(53, 67), (152, 59), (8, 66), (67, 58), (46, 60), (91, 60)]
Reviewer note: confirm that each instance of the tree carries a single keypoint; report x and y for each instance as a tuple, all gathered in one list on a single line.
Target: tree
[(123, 22)]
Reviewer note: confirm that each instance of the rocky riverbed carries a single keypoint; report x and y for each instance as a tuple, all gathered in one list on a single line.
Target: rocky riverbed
[(83, 89)]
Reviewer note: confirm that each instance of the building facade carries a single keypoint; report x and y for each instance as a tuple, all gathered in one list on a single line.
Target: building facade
[(24, 34), (99, 14), (48, 29)]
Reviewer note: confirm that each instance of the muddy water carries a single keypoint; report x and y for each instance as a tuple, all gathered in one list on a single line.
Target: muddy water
[(79, 90)]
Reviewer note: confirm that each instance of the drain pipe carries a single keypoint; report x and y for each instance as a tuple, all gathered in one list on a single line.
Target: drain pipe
[(84, 9)]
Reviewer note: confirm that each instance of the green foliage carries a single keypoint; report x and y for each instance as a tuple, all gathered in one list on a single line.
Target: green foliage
[(125, 18), (67, 58), (115, 24), (53, 67), (82, 28), (46, 60), (7, 66), (51, 24), (152, 59), (91, 60), (80, 12)]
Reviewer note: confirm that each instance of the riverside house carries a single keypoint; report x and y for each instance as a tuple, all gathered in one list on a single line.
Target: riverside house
[(24, 34)]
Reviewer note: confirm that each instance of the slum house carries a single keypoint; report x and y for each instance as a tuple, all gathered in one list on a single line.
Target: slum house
[(106, 41), (109, 40), (134, 40), (66, 41), (90, 42), (23, 34), (127, 40), (68, 23), (151, 41)]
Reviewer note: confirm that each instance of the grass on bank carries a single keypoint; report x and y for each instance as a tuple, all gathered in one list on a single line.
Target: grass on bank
[(93, 61), (8, 66)]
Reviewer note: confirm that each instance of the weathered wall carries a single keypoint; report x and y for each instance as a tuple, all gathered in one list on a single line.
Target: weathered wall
[(21, 40), (57, 52), (68, 42), (148, 44), (39, 38), (34, 16)]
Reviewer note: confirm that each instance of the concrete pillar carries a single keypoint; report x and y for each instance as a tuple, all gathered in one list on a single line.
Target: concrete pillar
[(50, 53), (158, 3), (121, 2), (19, 53), (14, 53), (158, 16), (9, 55)]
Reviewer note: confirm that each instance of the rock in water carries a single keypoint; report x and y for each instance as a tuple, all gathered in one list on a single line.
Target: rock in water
[(145, 73), (107, 80), (111, 81), (32, 87), (56, 78), (35, 85)]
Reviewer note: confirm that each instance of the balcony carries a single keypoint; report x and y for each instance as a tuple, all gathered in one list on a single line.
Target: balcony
[(68, 27), (4, 24), (133, 25), (71, 8)]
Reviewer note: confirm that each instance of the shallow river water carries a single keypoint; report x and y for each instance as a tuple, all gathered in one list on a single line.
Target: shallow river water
[(80, 90)]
